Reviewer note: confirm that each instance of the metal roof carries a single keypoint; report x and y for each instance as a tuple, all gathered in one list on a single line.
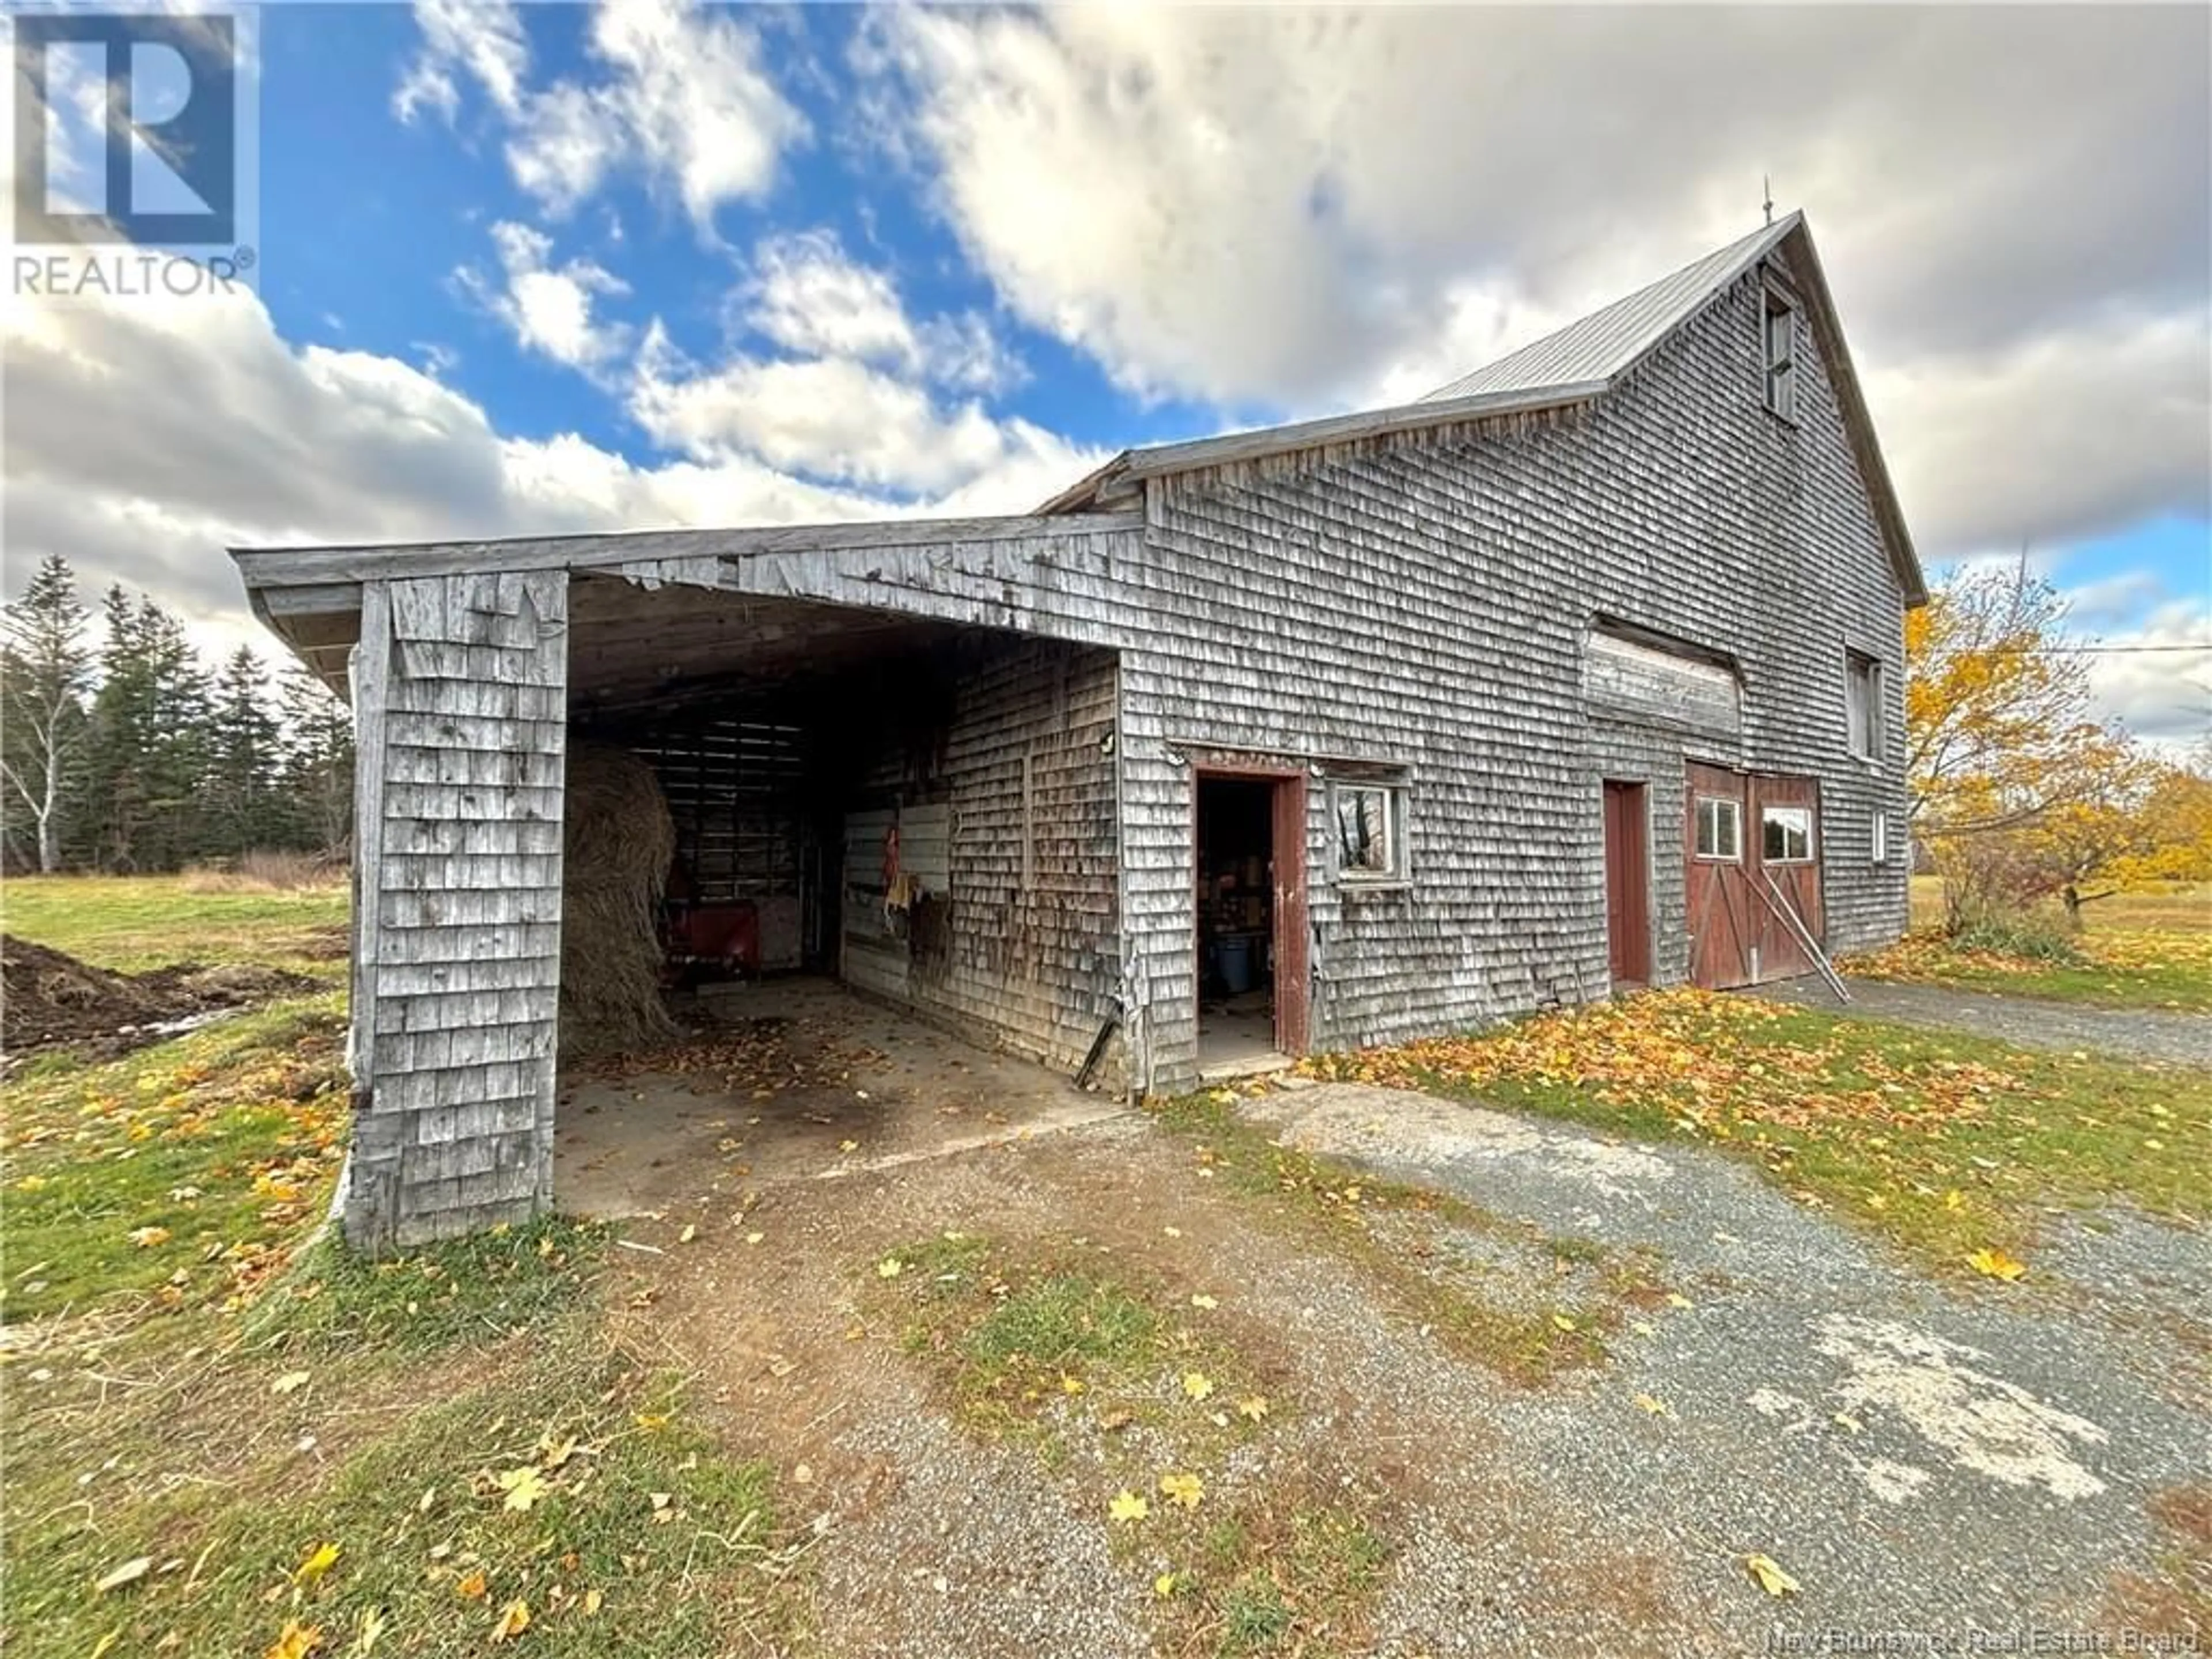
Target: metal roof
[(1608, 343)]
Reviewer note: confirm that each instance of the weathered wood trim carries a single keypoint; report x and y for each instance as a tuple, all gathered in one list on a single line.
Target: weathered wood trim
[(298, 566), (366, 1161)]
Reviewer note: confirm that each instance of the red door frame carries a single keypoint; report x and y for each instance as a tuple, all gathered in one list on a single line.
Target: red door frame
[(1627, 881), (1287, 869)]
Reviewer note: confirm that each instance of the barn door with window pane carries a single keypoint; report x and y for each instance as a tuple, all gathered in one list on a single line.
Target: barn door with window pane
[(1784, 835), (1724, 915)]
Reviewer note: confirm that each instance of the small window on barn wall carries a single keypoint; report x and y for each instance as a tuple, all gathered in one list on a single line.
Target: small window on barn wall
[(1780, 340), (1720, 828), (1786, 834), (1369, 825), (1879, 839), (1863, 704)]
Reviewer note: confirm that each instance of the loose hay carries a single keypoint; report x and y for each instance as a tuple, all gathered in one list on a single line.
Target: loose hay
[(617, 846)]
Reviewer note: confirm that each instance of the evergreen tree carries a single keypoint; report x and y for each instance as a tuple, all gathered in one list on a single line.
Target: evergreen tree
[(318, 762), (45, 670), (151, 740), (242, 805)]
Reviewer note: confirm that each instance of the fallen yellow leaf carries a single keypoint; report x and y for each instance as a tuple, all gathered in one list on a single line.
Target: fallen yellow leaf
[(296, 1640), (1997, 1264), (1197, 1384), (513, 1620), (472, 1584), (319, 1562), (1128, 1506), (890, 1267), (523, 1486), (689, 1232), (147, 1237), (1252, 1407), (1771, 1579), (593, 1600), (290, 1382), (1183, 1489), (1204, 1302), (1563, 1322), (1676, 1299), (1652, 1404), (1164, 1584)]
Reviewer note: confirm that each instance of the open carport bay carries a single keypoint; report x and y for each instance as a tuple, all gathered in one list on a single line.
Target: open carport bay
[(919, 812)]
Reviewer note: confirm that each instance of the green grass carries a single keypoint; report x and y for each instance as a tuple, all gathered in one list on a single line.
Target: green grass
[(1018, 1339), (2140, 948), (1119, 1384), (133, 923), (483, 1287), (197, 1381), (1368, 1219), (177, 1174), (643, 1539), (1946, 1143), (2108, 968)]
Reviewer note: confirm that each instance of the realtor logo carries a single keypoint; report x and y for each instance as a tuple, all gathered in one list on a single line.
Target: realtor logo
[(127, 130)]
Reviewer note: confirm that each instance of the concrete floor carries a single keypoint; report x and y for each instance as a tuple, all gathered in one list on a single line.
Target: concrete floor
[(786, 1080), (1237, 1038)]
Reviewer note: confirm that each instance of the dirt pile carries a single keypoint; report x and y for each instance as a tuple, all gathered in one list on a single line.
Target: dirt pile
[(49, 999)]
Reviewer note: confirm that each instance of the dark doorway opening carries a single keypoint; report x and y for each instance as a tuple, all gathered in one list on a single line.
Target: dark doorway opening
[(1250, 908), (1627, 884)]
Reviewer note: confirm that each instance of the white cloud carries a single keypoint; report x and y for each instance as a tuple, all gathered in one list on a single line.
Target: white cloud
[(125, 473), (482, 39), (842, 420), (684, 100), (810, 299), (1328, 209), (2065, 437), (550, 307), (2156, 678)]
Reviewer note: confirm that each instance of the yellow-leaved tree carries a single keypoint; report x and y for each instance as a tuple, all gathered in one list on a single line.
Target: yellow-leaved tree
[(2019, 794)]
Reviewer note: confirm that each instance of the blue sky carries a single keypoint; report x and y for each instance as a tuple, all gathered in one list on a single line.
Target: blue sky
[(570, 266)]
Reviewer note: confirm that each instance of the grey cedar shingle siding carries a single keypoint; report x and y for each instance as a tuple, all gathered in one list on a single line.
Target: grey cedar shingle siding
[(1420, 599), (1026, 774), (461, 693), (1428, 606)]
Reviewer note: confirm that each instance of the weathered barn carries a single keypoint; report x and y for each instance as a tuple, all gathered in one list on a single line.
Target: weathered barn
[(1585, 670)]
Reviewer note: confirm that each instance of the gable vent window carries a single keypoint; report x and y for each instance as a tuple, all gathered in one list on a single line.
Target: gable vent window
[(1863, 704), (1781, 343)]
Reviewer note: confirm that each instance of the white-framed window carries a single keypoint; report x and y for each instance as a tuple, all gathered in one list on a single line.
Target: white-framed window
[(1368, 822), (1878, 840), (1720, 828), (1785, 835), (1778, 336), (1863, 704)]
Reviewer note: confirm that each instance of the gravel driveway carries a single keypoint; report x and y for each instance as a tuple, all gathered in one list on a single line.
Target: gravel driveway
[(2032, 1022), (1920, 1459)]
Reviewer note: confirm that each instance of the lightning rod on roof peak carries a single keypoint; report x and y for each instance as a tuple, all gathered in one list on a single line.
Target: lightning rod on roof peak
[(1766, 189)]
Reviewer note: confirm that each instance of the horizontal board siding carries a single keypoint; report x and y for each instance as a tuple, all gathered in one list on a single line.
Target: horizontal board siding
[(455, 1026)]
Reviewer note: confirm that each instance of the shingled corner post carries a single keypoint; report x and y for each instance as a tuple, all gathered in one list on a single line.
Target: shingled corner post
[(461, 700)]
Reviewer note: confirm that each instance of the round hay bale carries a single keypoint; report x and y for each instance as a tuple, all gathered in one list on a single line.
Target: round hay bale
[(617, 842)]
